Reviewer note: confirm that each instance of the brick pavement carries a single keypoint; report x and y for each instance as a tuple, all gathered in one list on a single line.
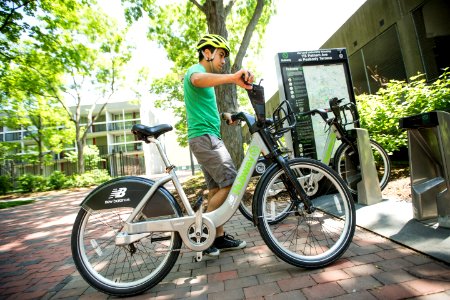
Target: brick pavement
[(36, 263)]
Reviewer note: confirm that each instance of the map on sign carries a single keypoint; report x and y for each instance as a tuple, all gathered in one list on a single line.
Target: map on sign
[(307, 80), (322, 83)]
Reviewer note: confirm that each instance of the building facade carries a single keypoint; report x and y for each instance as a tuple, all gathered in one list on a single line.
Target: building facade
[(111, 133), (388, 39)]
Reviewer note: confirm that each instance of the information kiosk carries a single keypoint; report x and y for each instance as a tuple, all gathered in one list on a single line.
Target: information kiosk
[(307, 80)]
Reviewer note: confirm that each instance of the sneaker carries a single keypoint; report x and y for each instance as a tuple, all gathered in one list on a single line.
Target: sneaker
[(211, 251), (227, 242)]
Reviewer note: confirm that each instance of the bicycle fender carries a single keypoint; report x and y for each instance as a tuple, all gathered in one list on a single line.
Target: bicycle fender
[(128, 192)]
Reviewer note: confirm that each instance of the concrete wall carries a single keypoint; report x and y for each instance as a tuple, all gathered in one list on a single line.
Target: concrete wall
[(372, 19)]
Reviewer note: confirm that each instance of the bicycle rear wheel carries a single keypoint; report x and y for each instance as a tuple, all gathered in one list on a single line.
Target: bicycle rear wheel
[(303, 239), (381, 159), (120, 270)]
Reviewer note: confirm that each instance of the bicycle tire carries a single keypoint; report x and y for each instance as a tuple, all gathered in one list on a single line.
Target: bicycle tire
[(121, 270), (327, 231), (381, 158)]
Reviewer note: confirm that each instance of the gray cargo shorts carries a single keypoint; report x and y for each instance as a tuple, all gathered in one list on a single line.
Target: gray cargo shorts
[(215, 160)]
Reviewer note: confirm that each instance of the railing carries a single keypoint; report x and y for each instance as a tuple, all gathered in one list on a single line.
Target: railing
[(13, 136), (128, 147), (118, 164)]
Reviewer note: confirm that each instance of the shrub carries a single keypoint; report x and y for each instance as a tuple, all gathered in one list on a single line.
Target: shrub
[(32, 183), (89, 178), (380, 113), (57, 180), (5, 184)]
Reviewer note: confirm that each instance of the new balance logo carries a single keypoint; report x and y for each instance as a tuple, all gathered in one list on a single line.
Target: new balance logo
[(118, 193)]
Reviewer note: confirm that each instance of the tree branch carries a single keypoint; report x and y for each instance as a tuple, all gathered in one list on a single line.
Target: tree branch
[(229, 7), (13, 9), (52, 88), (201, 7), (248, 35)]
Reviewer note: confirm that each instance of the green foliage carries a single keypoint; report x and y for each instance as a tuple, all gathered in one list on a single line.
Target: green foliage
[(6, 148), (5, 184), (89, 178), (57, 180), (52, 48), (380, 113), (91, 155), (32, 183)]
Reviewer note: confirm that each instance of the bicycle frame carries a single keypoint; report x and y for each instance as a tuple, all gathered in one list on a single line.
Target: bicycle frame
[(134, 231), (329, 144), (336, 132)]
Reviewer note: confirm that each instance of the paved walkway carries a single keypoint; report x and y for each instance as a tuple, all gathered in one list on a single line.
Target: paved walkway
[(36, 263)]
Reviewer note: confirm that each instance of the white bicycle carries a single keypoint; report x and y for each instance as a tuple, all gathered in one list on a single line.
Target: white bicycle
[(129, 231)]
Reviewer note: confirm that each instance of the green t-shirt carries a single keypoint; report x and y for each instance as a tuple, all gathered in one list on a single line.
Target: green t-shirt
[(201, 107)]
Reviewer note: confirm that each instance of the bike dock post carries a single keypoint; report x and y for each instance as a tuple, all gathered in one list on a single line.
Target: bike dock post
[(429, 162), (369, 191)]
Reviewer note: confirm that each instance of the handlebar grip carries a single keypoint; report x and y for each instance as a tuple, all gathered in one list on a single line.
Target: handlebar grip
[(234, 118)]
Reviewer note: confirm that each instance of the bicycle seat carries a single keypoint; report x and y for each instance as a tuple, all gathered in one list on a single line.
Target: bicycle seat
[(142, 131)]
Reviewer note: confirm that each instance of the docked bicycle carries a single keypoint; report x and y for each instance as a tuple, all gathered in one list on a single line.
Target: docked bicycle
[(129, 231), (338, 129), (343, 115)]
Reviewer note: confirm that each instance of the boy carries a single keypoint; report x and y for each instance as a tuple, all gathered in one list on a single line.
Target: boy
[(203, 121)]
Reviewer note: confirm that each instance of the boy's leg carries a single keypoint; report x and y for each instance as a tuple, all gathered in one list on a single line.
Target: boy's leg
[(216, 197), (220, 173)]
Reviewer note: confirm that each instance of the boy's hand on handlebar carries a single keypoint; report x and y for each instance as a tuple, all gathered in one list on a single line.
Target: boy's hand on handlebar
[(244, 78), (228, 119)]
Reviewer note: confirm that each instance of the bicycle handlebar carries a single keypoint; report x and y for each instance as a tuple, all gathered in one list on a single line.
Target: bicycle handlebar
[(321, 111), (336, 108), (283, 118)]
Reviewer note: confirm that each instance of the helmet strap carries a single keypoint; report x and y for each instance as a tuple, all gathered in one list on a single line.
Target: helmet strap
[(212, 58)]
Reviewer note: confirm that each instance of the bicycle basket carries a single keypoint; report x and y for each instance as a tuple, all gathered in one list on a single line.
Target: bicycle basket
[(349, 114), (256, 95), (283, 119), (346, 114)]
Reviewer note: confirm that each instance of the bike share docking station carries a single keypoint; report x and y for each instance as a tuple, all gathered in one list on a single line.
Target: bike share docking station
[(429, 161), (307, 80)]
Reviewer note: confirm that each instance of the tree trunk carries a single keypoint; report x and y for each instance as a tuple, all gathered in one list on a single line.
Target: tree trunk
[(80, 142), (216, 15), (41, 157), (80, 162), (232, 135), (226, 94)]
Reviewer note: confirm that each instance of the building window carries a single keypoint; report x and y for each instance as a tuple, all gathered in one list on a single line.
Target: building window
[(433, 35), (377, 62)]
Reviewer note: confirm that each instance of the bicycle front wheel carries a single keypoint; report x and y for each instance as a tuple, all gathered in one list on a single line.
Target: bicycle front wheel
[(120, 270), (381, 159), (307, 239), (280, 207)]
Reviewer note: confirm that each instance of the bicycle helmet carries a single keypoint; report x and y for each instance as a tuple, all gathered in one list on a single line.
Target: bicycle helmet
[(214, 40)]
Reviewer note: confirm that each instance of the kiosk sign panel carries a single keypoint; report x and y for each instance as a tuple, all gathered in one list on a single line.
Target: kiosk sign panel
[(307, 80)]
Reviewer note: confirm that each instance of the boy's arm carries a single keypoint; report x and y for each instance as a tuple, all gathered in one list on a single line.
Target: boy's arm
[(210, 79)]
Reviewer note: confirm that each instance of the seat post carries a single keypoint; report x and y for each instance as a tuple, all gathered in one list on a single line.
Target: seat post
[(161, 151)]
